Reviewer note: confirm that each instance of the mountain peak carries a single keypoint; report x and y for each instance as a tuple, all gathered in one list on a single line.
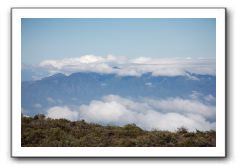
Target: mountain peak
[(57, 75)]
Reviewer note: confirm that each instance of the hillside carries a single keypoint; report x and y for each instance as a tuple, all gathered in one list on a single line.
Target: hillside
[(39, 131)]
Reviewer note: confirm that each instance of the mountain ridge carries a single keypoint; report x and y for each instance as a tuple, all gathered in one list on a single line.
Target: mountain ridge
[(82, 87)]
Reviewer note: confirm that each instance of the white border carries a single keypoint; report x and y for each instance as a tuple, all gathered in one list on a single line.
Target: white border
[(218, 151)]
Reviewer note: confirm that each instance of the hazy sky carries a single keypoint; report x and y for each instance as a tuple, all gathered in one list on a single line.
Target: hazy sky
[(51, 38)]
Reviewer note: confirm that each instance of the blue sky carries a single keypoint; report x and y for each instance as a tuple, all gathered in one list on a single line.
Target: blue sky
[(51, 38)]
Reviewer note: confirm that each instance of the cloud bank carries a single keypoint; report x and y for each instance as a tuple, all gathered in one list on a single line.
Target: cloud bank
[(124, 66), (146, 113)]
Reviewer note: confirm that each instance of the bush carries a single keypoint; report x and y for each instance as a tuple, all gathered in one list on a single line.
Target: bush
[(39, 131)]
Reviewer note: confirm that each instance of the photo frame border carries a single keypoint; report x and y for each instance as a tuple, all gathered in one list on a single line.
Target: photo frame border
[(14, 155)]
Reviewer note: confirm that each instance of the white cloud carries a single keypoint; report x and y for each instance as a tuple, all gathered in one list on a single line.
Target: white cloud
[(104, 112), (184, 106), (123, 66), (62, 112), (148, 114)]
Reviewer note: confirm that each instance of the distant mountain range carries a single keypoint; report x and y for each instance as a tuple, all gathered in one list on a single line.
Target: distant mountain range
[(81, 88)]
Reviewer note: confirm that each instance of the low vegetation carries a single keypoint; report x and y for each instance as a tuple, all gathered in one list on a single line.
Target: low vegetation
[(39, 131)]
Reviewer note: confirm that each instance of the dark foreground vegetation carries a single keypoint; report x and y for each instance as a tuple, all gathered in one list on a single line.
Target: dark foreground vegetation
[(39, 131)]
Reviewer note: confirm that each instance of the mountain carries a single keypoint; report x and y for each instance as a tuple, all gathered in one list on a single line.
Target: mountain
[(83, 87), (30, 72)]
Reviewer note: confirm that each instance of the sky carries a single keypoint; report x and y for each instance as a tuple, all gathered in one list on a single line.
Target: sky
[(50, 38), (126, 47)]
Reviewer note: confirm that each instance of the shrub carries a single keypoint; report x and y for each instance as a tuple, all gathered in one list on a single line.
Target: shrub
[(39, 131)]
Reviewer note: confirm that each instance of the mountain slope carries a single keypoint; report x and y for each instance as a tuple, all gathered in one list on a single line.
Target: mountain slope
[(81, 88)]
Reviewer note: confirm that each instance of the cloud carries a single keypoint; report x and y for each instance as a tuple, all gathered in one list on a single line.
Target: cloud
[(210, 98), (50, 100), (147, 113), (124, 66), (184, 106), (37, 105), (195, 95), (62, 112)]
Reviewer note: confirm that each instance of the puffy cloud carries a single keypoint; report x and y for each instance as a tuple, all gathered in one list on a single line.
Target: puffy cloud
[(184, 106), (148, 114), (62, 112), (135, 67), (105, 112)]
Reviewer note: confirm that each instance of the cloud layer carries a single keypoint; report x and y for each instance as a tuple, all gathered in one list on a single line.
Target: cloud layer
[(147, 113), (124, 66)]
